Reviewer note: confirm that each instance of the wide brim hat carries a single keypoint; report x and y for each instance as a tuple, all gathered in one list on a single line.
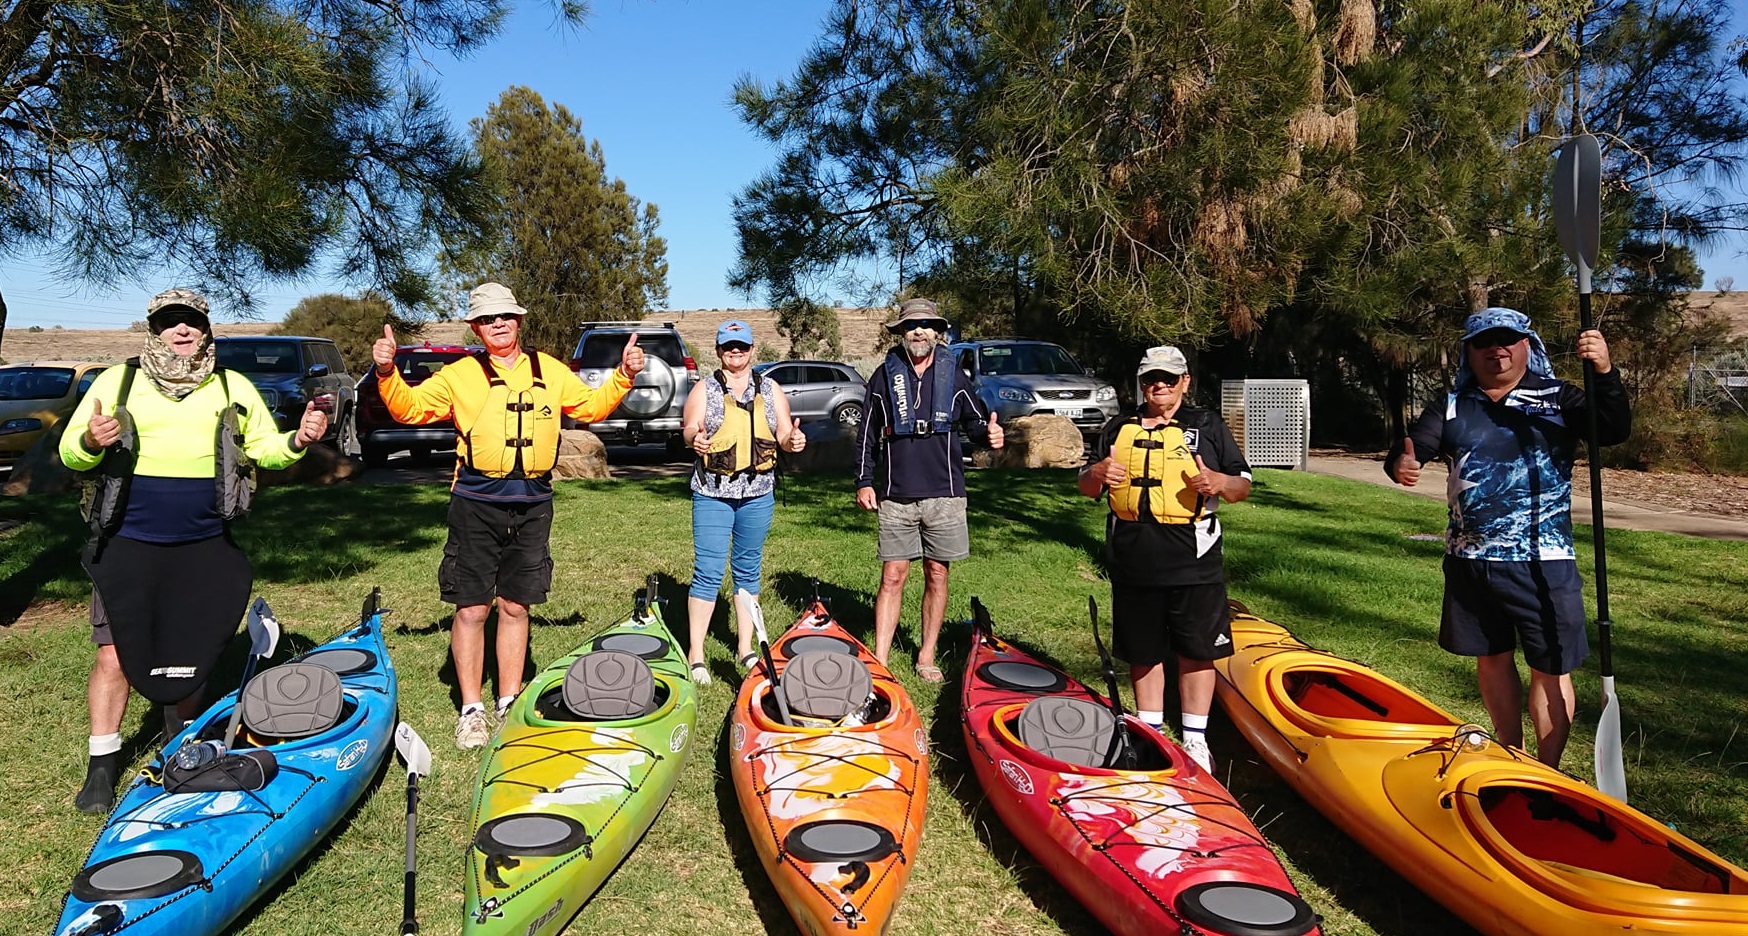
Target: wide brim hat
[(492, 299), (914, 310)]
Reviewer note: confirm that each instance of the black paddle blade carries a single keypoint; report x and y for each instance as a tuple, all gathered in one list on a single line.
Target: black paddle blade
[(372, 604), (981, 625), (776, 684), (1119, 754)]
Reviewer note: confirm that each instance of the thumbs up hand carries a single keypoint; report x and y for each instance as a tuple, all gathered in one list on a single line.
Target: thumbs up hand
[(797, 439), (1407, 466), (701, 442), (631, 359), (310, 427), (102, 431), (996, 435), (383, 351), (1209, 483)]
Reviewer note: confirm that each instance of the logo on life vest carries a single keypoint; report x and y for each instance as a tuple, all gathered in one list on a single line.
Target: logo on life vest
[(1191, 436), (1016, 777), (677, 740), (353, 753)]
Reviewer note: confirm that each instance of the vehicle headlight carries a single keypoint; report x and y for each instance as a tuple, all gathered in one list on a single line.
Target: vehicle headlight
[(271, 398), (29, 424), (1014, 395), (1105, 394)]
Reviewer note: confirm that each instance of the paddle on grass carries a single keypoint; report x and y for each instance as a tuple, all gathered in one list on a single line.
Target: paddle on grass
[(1119, 754), (263, 640), (417, 756), (1578, 219), (749, 606)]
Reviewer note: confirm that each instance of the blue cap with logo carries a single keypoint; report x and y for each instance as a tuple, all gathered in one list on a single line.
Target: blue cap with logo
[(734, 330), (1496, 317)]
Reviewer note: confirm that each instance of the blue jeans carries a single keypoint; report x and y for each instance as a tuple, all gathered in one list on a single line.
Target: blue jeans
[(714, 521)]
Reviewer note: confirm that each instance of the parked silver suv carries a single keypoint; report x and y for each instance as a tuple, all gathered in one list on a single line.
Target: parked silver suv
[(1020, 377), (651, 411), (820, 389)]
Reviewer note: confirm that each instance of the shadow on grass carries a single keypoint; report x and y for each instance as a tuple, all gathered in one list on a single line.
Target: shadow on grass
[(772, 913), (42, 548)]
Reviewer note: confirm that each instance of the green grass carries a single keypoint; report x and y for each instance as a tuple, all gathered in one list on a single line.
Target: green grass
[(1329, 558)]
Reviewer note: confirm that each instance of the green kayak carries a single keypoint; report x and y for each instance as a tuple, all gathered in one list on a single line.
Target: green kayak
[(584, 761)]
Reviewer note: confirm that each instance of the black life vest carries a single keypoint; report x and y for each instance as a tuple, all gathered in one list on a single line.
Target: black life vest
[(902, 419)]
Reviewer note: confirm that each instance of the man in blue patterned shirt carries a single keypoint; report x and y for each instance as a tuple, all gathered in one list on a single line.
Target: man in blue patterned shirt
[(1510, 431)]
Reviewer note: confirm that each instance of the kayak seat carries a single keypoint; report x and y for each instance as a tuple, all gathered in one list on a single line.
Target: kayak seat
[(609, 685), (826, 685), (295, 700), (1072, 730)]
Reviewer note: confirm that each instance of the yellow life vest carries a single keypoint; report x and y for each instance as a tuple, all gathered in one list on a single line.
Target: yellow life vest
[(513, 434), (1160, 467), (744, 443)]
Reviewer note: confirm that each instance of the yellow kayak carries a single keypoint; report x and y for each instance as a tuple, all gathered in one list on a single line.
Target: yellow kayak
[(1512, 846)]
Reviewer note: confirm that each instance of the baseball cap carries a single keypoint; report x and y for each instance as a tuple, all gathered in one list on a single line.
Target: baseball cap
[(1163, 358), (1496, 317), (734, 330), (492, 299)]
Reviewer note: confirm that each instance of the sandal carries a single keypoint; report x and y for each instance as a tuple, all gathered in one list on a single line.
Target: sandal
[(700, 674), (930, 673), (747, 661)]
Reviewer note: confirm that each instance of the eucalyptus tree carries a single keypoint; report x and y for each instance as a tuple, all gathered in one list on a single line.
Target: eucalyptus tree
[(236, 140), (573, 244)]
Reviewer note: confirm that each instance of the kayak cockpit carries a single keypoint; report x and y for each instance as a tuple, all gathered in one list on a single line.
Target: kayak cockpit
[(1576, 840), (1329, 700), (1074, 738)]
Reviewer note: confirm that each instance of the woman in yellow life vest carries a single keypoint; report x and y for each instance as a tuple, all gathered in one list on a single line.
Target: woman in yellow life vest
[(1165, 469), (735, 421)]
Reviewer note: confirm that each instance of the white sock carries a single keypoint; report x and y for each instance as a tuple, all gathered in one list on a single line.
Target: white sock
[(1153, 719), (504, 702), (104, 744), (473, 707), (1195, 725)]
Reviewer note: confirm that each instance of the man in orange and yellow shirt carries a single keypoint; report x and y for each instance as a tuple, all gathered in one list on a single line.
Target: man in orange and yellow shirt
[(506, 403)]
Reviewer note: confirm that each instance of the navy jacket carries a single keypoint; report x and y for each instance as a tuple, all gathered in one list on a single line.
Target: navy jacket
[(907, 465)]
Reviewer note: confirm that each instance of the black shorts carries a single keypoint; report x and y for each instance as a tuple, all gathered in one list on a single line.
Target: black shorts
[(1192, 621), (1490, 607), (496, 550)]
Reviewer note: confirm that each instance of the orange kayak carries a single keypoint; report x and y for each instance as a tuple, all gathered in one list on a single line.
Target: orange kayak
[(1511, 846), (835, 810)]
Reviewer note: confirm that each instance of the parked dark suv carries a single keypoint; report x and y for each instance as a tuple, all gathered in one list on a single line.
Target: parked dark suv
[(379, 434), (1020, 376), (290, 370), (651, 411)]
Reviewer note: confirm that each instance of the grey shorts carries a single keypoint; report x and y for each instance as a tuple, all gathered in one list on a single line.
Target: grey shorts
[(100, 634), (930, 528)]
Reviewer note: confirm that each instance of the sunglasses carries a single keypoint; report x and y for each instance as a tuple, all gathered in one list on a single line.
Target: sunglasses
[(164, 321), (1160, 377), (1497, 338), (498, 317), (939, 325), (733, 347)]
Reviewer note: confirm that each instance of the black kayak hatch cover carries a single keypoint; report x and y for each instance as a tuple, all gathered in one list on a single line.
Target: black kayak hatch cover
[(647, 646), (1025, 677), (817, 643), (531, 835), (839, 840), (139, 876), (344, 661), (1243, 909)]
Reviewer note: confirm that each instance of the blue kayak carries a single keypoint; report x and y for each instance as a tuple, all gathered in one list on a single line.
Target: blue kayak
[(199, 835)]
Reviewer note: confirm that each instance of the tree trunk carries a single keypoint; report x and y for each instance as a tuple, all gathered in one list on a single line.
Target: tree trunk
[(2, 327)]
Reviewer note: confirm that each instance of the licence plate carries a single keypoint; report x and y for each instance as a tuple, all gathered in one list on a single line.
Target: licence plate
[(1071, 413)]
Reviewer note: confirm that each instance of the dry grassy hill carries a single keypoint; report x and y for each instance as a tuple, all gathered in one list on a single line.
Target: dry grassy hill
[(1732, 306), (860, 331)]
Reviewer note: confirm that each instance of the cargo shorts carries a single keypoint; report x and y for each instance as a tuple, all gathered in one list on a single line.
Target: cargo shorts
[(924, 528)]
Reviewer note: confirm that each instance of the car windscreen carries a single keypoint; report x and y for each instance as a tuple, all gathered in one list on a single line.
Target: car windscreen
[(35, 383), (603, 349), (998, 360), (259, 357), (415, 366)]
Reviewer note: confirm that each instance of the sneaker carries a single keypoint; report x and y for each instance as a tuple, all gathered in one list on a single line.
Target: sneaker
[(1197, 748), (700, 674), (473, 729)]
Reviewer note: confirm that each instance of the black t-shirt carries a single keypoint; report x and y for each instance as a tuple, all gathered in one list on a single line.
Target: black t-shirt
[(1147, 553)]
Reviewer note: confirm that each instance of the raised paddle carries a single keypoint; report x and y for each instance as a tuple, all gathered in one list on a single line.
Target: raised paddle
[(263, 640), (417, 756), (749, 606), (1578, 219), (1119, 754)]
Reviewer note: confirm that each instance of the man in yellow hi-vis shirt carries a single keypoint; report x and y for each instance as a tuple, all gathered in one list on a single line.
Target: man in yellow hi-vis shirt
[(506, 403)]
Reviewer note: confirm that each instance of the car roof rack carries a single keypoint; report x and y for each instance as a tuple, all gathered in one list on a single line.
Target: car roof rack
[(625, 322), (984, 338)]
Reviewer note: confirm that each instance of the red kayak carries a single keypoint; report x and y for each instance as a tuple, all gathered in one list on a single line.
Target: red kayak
[(1152, 845)]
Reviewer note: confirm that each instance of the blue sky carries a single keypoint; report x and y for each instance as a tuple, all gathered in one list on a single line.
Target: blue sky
[(649, 79)]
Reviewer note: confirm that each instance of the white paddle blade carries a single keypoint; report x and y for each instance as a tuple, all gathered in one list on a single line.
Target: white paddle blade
[(412, 749), (748, 604), (1611, 770), (263, 629)]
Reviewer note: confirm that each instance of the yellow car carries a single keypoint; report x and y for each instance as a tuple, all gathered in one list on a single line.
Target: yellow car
[(33, 397)]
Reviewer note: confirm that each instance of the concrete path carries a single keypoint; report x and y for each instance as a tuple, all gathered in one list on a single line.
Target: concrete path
[(1625, 515)]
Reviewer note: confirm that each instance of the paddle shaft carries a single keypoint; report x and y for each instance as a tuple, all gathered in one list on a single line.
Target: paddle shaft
[(1604, 626), (408, 923), (237, 710)]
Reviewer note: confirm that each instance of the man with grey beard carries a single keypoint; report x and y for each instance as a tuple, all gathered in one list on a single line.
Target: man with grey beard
[(908, 468)]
